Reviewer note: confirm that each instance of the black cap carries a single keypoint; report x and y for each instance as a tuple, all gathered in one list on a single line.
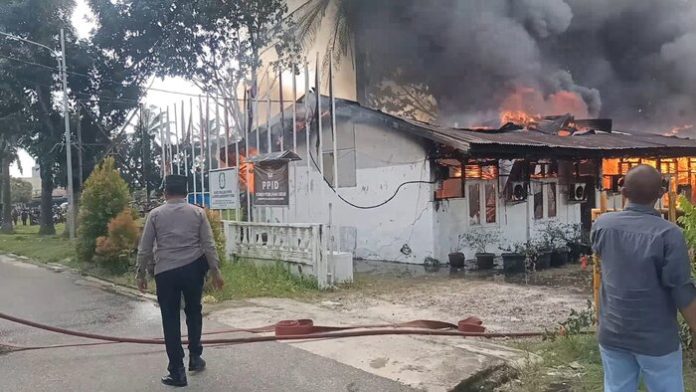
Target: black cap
[(176, 184)]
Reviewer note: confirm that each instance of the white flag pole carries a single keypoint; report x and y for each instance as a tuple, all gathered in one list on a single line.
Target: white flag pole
[(177, 140), (163, 146), (169, 143), (193, 150), (201, 120), (269, 148), (307, 137)]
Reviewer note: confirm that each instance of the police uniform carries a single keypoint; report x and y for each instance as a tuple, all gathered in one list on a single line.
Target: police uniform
[(177, 248)]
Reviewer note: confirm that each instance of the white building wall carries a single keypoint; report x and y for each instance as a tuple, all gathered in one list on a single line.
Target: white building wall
[(515, 222), (401, 230)]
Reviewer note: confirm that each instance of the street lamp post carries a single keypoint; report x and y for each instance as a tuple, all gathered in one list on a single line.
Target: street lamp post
[(62, 69)]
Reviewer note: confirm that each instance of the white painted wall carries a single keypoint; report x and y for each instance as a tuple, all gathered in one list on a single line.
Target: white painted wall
[(515, 222), (385, 159)]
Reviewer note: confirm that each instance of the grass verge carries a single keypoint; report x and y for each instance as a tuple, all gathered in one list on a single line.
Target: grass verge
[(572, 364), (242, 279)]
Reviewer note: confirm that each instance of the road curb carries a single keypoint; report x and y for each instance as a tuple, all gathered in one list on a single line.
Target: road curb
[(106, 284)]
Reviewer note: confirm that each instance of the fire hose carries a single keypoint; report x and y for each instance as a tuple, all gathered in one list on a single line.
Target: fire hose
[(302, 329)]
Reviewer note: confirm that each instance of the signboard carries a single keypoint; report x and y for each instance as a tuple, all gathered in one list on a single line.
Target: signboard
[(224, 189), (271, 185)]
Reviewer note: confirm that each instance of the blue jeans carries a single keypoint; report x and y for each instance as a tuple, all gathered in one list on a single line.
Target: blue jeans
[(622, 371)]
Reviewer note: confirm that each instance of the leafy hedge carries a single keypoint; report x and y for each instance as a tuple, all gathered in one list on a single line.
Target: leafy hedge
[(688, 223)]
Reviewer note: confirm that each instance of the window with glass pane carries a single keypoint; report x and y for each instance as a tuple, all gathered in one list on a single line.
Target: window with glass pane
[(552, 198), (474, 194), (538, 192), (491, 202)]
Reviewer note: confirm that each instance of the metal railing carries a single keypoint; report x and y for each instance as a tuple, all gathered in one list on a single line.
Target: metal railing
[(296, 243)]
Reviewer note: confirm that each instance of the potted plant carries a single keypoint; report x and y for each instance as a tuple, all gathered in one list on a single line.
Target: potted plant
[(577, 241), (539, 254), (478, 240), (514, 258), (554, 239), (456, 259)]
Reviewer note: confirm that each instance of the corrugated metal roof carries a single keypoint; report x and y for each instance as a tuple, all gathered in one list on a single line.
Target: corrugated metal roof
[(529, 138), (286, 155)]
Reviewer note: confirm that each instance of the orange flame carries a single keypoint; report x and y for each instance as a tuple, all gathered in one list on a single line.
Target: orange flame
[(526, 105)]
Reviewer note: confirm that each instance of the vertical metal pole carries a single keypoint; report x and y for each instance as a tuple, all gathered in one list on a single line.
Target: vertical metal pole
[(268, 126), (218, 139), (68, 142), (319, 128), (193, 150), (177, 140), (169, 143), (308, 140), (282, 109), (80, 170), (183, 139), (163, 147), (202, 152), (227, 133), (208, 142), (294, 137), (247, 148)]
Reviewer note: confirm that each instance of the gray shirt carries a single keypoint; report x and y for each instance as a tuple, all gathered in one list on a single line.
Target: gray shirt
[(646, 277), (182, 235)]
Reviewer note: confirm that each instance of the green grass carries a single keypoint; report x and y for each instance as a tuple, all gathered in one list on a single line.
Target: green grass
[(243, 279), (47, 249), (574, 364)]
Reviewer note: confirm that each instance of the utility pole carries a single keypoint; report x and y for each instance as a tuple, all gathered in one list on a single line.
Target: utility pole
[(68, 143)]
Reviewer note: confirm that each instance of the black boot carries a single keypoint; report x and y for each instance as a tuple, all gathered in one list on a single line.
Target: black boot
[(176, 377), (196, 363)]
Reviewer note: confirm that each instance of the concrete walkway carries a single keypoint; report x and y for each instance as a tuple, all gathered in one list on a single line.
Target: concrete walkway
[(422, 362)]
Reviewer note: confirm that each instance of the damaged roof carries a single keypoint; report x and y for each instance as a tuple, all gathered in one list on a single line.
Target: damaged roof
[(512, 141)]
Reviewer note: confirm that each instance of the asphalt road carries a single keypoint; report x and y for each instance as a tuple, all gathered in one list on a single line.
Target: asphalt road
[(66, 300)]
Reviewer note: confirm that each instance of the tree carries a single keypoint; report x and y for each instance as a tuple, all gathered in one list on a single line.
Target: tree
[(102, 88), (105, 196), (217, 44), (21, 191)]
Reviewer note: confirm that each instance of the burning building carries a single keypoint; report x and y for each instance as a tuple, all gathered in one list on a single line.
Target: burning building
[(408, 190)]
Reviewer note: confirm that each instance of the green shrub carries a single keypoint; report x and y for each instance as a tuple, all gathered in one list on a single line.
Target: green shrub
[(115, 251), (218, 233), (688, 222), (105, 195)]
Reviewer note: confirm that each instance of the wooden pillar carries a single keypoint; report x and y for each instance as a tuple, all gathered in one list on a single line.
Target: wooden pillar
[(596, 283)]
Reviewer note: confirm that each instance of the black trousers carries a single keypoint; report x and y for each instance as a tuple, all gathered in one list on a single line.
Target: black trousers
[(187, 280)]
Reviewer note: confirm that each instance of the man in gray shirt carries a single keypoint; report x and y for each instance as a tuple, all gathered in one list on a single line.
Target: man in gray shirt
[(184, 252), (646, 278)]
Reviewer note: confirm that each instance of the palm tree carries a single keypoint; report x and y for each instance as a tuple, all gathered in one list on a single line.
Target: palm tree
[(309, 18)]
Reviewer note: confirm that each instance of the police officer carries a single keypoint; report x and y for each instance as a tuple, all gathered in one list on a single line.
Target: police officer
[(184, 252)]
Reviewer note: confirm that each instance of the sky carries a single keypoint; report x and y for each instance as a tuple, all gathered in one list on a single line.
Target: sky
[(83, 21)]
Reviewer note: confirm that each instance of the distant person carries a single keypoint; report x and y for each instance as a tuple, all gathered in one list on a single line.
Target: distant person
[(184, 252), (25, 216), (15, 216), (646, 278)]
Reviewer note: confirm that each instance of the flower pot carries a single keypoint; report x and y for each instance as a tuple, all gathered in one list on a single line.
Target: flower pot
[(559, 257), (574, 252), (513, 263), (485, 261), (456, 260), (543, 261)]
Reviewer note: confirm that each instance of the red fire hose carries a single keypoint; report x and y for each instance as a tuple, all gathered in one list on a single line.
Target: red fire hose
[(291, 330)]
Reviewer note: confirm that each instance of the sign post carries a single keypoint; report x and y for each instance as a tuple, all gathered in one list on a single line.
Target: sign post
[(224, 189)]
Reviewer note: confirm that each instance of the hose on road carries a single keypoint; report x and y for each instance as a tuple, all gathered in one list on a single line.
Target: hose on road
[(302, 329)]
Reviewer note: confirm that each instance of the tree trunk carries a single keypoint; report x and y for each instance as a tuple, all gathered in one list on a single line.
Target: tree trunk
[(47, 227), (6, 195)]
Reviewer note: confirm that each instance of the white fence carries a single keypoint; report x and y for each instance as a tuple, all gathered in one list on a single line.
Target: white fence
[(302, 245)]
